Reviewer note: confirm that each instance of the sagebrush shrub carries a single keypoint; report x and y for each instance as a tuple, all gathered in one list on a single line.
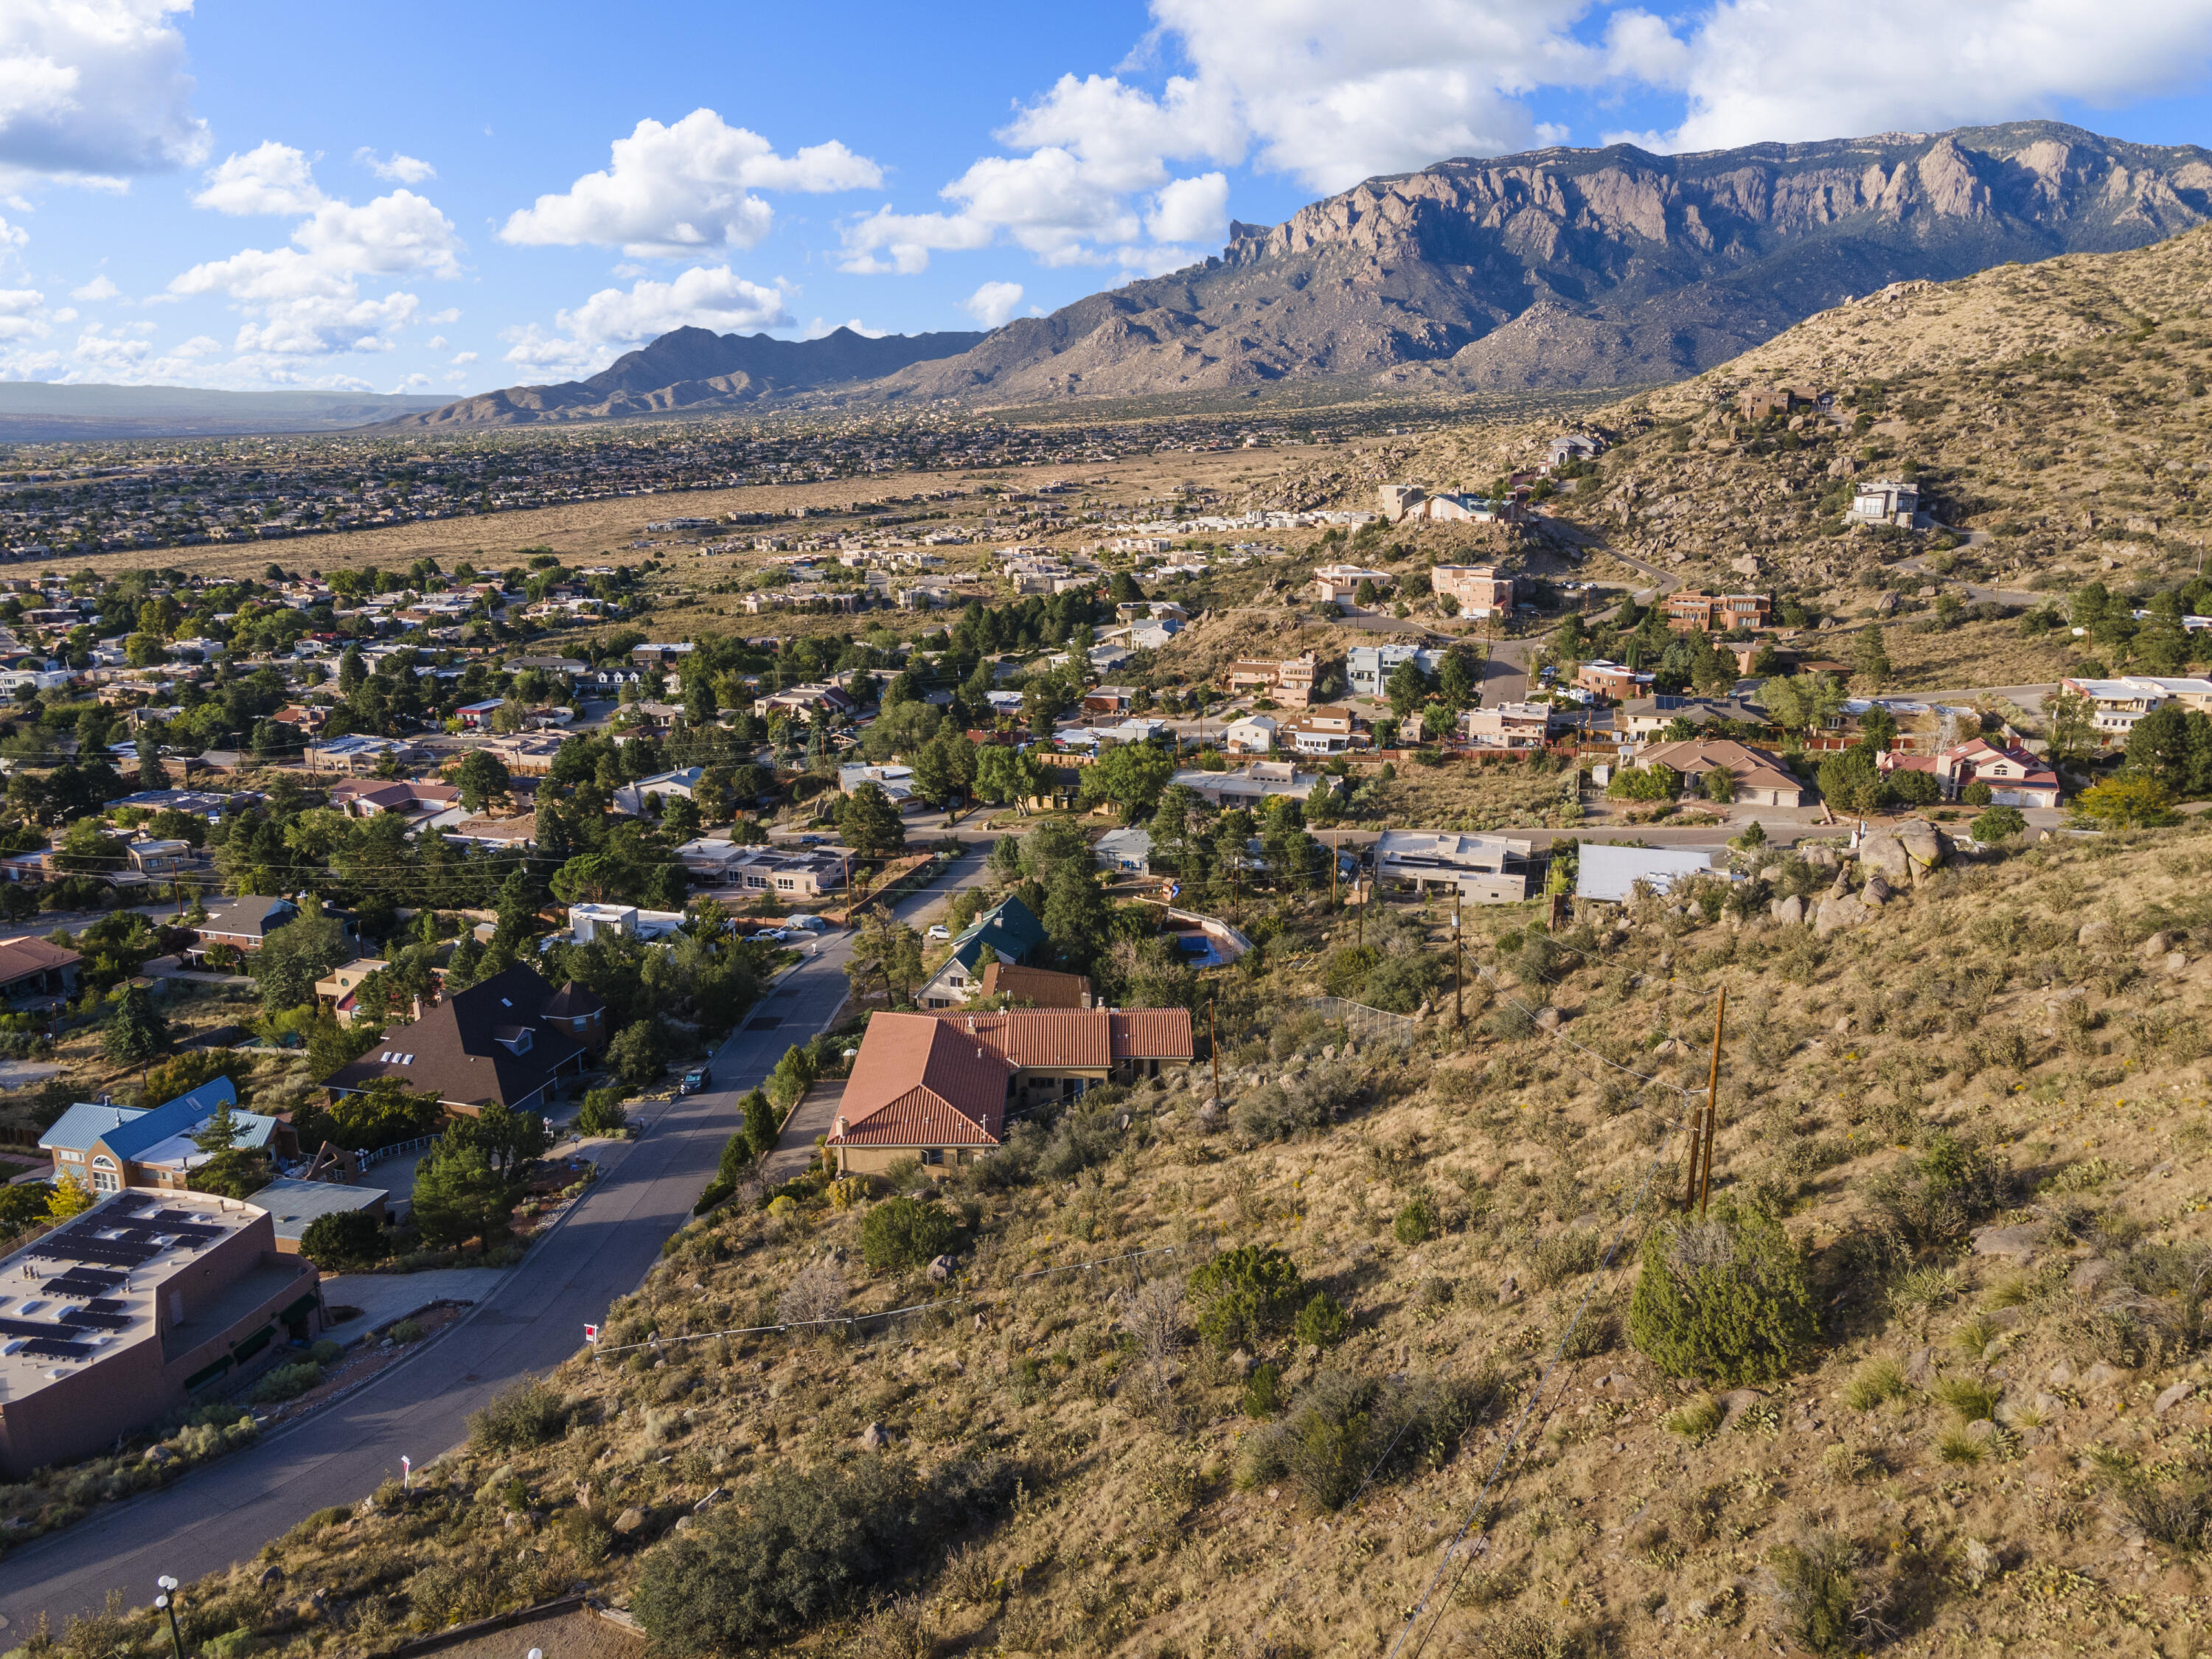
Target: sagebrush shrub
[(528, 1414), (1723, 1299), (1247, 1293)]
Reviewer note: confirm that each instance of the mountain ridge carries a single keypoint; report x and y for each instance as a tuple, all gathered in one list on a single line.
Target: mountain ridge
[(1559, 269)]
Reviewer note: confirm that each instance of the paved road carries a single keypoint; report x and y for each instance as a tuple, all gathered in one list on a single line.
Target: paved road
[(533, 1321)]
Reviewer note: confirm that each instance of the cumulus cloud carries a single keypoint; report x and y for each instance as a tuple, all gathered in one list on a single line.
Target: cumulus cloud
[(993, 303), (462, 358), (270, 177), (100, 287), (594, 333), (1766, 71), (1190, 210), (95, 89), (307, 300), (677, 191), (12, 237), (400, 169), (22, 314)]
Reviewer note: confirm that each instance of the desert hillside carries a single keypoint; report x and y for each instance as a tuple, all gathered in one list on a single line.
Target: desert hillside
[(1411, 1318)]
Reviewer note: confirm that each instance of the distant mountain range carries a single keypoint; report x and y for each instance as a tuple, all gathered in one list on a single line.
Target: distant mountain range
[(696, 368), (37, 411), (1559, 269)]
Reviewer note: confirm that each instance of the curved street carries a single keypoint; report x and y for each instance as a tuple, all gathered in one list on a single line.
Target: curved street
[(600, 1251)]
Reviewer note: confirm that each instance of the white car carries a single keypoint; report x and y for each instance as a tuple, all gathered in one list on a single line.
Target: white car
[(940, 931)]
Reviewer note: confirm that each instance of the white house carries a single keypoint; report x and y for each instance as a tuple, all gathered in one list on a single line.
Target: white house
[(1253, 735)]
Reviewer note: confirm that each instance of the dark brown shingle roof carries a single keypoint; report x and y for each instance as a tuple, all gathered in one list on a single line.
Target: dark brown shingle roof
[(465, 1051)]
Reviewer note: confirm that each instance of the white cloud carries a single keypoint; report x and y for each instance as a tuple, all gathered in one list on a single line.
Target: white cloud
[(400, 169), (450, 314), (677, 191), (200, 345), (100, 287), (12, 237), (595, 332), (415, 382), (462, 358), (307, 300), (95, 89), (993, 303), (436, 343), (22, 314), (1190, 210), (1772, 71), (270, 177)]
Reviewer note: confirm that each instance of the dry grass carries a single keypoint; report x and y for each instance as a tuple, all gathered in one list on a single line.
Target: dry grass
[(1133, 1536)]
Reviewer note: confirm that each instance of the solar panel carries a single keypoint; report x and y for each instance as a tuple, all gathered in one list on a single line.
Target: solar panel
[(129, 1203), (80, 1283), (29, 1327), (98, 1322), (47, 1348), (106, 1305), (61, 1248)]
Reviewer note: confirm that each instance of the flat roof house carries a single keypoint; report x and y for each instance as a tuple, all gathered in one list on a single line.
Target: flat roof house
[(1289, 682), (1480, 590), (763, 869), (1252, 785), (497, 1042), (131, 1310), (938, 1088), (295, 1205), (1012, 931), (336, 988), (1509, 725), (1480, 869), (1613, 872)]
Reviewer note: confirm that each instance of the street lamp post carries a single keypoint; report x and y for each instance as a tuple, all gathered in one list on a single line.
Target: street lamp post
[(166, 1601)]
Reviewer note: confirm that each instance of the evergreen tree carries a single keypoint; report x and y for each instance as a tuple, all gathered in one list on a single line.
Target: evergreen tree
[(1870, 659), (136, 1032)]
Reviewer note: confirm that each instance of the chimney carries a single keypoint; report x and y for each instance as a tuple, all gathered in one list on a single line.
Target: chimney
[(418, 1008)]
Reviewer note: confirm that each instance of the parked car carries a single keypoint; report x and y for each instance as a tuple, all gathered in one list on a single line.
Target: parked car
[(809, 923), (694, 1080), (939, 930)]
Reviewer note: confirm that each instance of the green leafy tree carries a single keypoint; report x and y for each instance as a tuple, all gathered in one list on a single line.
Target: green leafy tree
[(2125, 801), (1999, 823), (293, 957), (639, 1052), (870, 823), (482, 778), (2071, 721), (945, 769), (1130, 775), (1077, 916), (459, 1195), (1408, 688), (761, 1128), (1870, 659), (1849, 780), (135, 1033), (1719, 785), (343, 1239)]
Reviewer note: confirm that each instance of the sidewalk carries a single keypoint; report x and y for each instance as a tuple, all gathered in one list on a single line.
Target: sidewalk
[(389, 1296), (794, 1152)]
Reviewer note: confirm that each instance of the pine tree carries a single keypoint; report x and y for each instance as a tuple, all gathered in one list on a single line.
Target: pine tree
[(1870, 659)]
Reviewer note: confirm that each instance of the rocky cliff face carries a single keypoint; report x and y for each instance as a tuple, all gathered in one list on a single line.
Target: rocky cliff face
[(1576, 268)]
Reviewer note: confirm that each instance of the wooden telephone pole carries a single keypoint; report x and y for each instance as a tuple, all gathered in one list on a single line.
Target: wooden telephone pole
[(1699, 1186), (1213, 1041), (1459, 963)]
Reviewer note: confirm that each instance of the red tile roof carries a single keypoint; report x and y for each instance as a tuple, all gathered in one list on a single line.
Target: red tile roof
[(928, 1084), (1152, 1034)]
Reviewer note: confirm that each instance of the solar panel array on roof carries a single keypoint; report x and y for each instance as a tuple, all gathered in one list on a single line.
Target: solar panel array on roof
[(47, 1348), (30, 1327), (82, 1282), (60, 1247), (129, 1203), (105, 1305), (98, 1322)]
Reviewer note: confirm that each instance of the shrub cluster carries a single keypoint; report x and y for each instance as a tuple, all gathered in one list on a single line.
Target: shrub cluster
[(1342, 1427), (1723, 1299)]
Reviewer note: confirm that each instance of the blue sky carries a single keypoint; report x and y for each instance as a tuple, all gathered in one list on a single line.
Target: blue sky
[(448, 199)]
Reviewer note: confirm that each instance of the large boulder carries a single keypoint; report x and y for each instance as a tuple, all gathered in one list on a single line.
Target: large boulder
[(1840, 910), (2097, 935), (1904, 853), (1790, 911)]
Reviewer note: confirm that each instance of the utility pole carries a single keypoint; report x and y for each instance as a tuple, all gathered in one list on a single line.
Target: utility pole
[(1335, 837), (1214, 1042), (1712, 1105), (1459, 963)]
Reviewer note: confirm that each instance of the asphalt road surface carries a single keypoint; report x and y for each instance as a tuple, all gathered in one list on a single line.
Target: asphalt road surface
[(601, 1250)]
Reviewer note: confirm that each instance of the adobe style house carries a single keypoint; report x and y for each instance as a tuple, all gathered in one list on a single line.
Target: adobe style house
[(1013, 933), (1716, 613), (937, 1087), (508, 1041), (1289, 682), (143, 1302), (336, 988), (1479, 869), (1480, 590), (106, 1148)]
